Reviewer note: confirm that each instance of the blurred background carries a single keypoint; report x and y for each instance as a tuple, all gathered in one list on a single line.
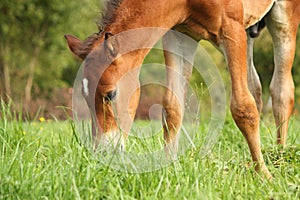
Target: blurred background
[(37, 69)]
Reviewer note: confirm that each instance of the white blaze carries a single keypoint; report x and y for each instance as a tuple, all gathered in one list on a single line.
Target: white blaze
[(85, 84)]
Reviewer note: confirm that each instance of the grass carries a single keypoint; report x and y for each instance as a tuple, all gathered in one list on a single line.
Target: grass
[(44, 160)]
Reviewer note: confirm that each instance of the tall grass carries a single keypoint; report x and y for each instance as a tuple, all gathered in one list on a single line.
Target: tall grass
[(45, 160)]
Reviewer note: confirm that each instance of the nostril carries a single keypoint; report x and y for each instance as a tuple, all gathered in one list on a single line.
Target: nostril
[(111, 95)]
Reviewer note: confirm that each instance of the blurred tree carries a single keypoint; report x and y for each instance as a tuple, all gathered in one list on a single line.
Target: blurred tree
[(32, 47), (296, 71)]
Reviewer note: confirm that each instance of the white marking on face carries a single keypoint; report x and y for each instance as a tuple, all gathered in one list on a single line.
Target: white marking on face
[(85, 83)]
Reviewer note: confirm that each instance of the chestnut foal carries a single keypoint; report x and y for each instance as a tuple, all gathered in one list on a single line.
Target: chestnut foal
[(222, 22)]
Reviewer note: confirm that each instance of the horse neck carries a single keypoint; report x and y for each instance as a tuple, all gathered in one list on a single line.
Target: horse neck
[(140, 14), (144, 25)]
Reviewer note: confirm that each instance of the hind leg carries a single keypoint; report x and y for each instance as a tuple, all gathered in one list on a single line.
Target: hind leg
[(179, 54), (252, 76), (283, 29)]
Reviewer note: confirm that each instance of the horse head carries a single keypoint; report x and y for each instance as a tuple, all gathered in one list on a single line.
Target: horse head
[(104, 68)]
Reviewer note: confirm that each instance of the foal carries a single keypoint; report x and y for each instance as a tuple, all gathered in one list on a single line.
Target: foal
[(222, 22)]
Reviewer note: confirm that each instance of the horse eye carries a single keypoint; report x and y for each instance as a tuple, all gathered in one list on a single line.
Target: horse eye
[(111, 95)]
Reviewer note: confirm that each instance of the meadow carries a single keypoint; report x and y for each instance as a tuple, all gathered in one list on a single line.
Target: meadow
[(44, 159)]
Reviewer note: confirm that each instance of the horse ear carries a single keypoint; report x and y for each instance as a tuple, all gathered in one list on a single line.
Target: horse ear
[(75, 45), (111, 44)]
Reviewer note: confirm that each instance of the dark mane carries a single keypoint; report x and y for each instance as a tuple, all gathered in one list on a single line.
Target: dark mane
[(108, 14)]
